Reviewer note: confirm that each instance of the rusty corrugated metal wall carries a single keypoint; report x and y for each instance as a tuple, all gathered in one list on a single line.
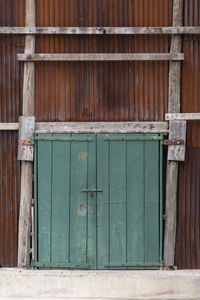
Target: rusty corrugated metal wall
[(188, 231), (102, 91), (11, 72), (97, 91)]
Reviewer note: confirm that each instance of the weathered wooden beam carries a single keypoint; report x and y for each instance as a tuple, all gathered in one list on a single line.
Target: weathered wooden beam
[(102, 127), (101, 57), (177, 131), (182, 116), (9, 126), (172, 166), (100, 30), (27, 166)]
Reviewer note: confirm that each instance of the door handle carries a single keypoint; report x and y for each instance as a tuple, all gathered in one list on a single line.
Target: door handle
[(92, 191)]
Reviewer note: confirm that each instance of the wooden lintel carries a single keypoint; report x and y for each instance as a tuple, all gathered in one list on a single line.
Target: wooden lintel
[(94, 127), (9, 126), (100, 30), (102, 127), (182, 116), (102, 57)]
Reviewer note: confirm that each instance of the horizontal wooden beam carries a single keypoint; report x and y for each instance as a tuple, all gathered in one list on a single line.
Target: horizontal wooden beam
[(94, 127), (9, 126), (100, 30), (102, 127), (182, 116), (102, 57)]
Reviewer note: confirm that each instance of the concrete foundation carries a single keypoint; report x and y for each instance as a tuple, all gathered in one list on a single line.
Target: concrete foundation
[(76, 285)]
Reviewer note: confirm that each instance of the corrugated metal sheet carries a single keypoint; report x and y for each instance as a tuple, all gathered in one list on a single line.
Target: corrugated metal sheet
[(10, 107), (99, 91), (102, 91), (9, 198), (188, 231), (12, 12)]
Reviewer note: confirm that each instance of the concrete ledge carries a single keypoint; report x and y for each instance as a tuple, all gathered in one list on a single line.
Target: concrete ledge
[(76, 285)]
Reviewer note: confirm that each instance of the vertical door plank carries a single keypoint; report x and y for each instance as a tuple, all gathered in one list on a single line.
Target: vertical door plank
[(135, 201), (44, 200), (79, 199), (92, 203), (60, 200), (151, 186), (103, 233), (118, 195)]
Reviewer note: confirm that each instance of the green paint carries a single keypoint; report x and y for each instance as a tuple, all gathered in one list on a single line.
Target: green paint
[(98, 201)]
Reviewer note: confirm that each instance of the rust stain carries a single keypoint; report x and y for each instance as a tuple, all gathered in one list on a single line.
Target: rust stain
[(81, 209), (82, 155)]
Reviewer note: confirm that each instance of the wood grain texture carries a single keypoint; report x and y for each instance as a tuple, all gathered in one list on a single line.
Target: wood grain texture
[(26, 130), (100, 30), (172, 167), (99, 57), (9, 126), (101, 127), (27, 167), (182, 116), (177, 131)]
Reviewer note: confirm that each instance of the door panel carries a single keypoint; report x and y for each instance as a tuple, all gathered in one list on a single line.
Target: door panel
[(97, 201), (128, 210)]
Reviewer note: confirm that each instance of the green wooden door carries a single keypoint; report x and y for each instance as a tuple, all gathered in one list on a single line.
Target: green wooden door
[(98, 201)]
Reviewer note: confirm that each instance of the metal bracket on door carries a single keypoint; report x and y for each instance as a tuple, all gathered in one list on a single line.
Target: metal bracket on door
[(92, 191)]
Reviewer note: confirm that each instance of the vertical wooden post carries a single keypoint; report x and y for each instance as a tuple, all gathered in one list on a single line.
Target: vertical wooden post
[(26, 166), (172, 166)]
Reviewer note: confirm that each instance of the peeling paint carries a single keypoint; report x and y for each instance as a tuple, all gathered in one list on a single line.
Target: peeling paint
[(82, 155), (81, 209)]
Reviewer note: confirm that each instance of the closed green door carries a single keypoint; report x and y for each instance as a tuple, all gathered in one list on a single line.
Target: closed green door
[(98, 201)]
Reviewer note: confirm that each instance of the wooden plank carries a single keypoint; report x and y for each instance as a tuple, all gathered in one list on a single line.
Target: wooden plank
[(172, 167), (26, 130), (26, 166), (177, 131), (60, 201), (135, 201), (101, 57), (102, 127), (78, 205), (152, 197), (9, 126), (117, 199), (103, 208), (44, 202), (92, 203), (101, 30), (182, 116)]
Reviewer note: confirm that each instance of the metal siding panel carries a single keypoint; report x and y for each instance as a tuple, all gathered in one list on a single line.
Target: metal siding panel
[(9, 198), (188, 233), (60, 200), (105, 91)]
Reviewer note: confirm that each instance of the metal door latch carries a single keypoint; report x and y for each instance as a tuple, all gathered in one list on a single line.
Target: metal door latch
[(173, 142)]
